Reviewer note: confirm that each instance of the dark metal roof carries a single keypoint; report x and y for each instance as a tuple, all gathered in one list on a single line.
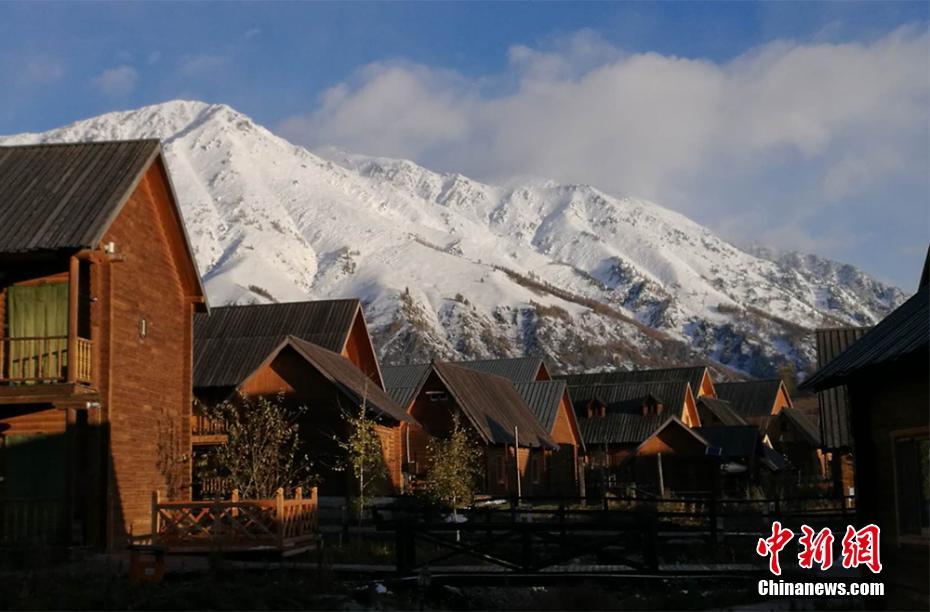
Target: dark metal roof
[(543, 398), (516, 370), (691, 374), (901, 333), (493, 406), (233, 341), (735, 441), (326, 323), (227, 362), (808, 430), (618, 429), (64, 196), (751, 399), (629, 398), (833, 403), (710, 408), (403, 382), (350, 379)]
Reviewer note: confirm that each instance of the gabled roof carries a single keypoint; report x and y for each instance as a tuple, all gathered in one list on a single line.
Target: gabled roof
[(228, 362), (808, 430), (493, 406), (900, 334), (326, 323), (350, 379), (516, 369), (233, 341), (833, 403), (721, 409), (739, 441), (403, 382), (544, 397), (751, 399), (64, 197), (618, 429), (672, 422), (256, 352), (691, 374), (628, 398)]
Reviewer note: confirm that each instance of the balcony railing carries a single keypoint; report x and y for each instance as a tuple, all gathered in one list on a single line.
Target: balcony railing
[(45, 360), (205, 426)]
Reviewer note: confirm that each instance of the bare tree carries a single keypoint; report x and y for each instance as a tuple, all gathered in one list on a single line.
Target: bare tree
[(364, 454), (263, 451), (453, 467)]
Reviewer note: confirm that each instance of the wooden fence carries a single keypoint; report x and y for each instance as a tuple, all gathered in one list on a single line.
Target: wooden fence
[(288, 526), (525, 536), (32, 521)]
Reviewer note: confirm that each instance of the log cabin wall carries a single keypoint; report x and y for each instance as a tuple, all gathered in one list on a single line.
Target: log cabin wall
[(360, 351), (147, 329), (563, 463)]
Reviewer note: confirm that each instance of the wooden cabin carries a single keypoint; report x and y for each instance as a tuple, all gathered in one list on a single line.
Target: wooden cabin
[(611, 438), (835, 433), (98, 290), (699, 378), (887, 378), (756, 401), (550, 404), (674, 458), (316, 354), (796, 437), (517, 449)]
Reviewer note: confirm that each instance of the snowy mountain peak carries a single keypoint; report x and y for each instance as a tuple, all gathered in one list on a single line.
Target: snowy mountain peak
[(448, 266)]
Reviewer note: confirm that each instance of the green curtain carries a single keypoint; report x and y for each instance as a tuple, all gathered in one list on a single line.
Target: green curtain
[(38, 311)]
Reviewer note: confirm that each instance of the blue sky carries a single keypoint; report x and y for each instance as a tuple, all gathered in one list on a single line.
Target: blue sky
[(710, 114)]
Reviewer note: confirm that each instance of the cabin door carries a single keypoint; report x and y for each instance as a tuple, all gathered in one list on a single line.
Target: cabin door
[(37, 320)]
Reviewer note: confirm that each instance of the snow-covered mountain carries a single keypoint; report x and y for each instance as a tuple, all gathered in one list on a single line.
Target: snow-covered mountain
[(448, 266)]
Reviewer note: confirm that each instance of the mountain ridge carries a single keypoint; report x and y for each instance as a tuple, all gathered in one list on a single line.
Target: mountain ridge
[(454, 268)]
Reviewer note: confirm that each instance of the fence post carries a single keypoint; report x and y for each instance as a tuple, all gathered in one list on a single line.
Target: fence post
[(279, 515), (315, 501), (156, 499), (234, 498)]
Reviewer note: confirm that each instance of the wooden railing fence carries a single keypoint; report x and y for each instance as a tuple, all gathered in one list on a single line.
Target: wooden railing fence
[(46, 359), (286, 525)]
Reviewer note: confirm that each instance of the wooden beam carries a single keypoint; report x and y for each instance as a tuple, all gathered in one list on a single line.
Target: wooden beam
[(73, 283)]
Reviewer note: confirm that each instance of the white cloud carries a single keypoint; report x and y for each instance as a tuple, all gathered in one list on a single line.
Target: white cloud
[(202, 65), (118, 81), (768, 136), (42, 70)]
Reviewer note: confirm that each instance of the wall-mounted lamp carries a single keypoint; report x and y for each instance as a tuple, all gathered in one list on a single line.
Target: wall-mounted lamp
[(143, 327)]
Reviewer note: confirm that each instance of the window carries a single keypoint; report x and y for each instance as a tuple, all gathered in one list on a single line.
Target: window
[(436, 396), (502, 469), (912, 483), (536, 468)]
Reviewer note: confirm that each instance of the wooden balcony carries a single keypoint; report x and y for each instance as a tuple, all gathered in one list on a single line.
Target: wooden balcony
[(57, 369), (46, 360), (205, 430)]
